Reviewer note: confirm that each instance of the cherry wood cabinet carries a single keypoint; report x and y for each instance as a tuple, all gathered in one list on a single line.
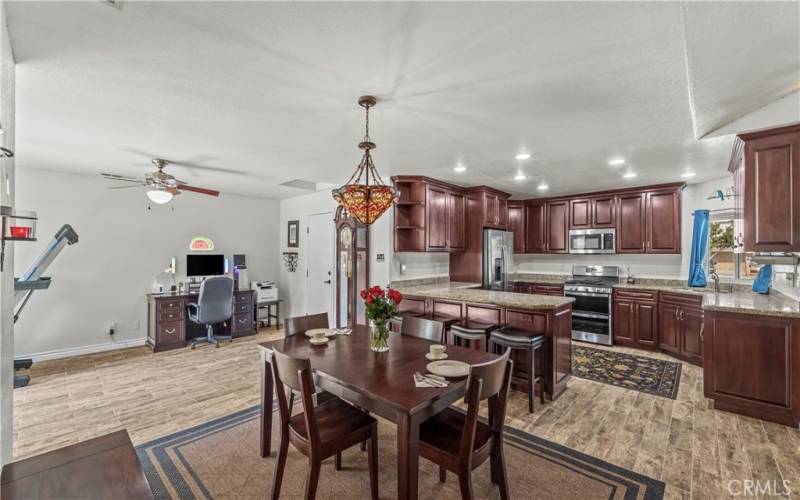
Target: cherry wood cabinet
[(631, 228), (516, 224), (751, 365), (635, 318), (663, 221), (456, 224), (580, 213), (766, 164), (436, 219), (669, 328), (557, 240), (604, 212), (535, 226), (680, 321), (495, 207)]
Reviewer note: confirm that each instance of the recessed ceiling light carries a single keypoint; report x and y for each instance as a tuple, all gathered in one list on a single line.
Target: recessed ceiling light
[(459, 168), (542, 187), (629, 175), (686, 175), (520, 177), (616, 161), (523, 156)]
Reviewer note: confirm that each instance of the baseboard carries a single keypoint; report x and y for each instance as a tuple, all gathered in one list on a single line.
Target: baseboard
[(77, 351)]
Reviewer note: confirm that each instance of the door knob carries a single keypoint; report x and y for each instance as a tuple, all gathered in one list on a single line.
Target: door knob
[(327, 282)]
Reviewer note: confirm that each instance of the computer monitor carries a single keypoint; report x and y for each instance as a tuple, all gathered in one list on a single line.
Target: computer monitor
[(205, 265)]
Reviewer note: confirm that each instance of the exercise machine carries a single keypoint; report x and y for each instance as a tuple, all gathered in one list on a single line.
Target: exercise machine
[(31, 280)]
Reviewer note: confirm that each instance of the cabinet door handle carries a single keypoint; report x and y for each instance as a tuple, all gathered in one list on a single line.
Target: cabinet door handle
[(242, 321), (682, 313), (676, 314), (702, 327), (171, 330)]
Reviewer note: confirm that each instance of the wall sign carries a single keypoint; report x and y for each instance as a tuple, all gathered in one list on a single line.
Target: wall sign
[(201, 244), (293, 234)]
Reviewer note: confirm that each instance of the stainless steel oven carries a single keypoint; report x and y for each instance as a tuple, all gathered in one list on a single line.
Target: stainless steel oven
[(593, 240), (591, 287)]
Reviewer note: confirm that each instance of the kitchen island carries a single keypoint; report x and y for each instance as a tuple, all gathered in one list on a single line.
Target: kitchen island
[(546, 315)]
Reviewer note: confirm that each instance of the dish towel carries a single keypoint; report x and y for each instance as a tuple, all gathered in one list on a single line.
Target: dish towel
[(763, 279), (697, 276)]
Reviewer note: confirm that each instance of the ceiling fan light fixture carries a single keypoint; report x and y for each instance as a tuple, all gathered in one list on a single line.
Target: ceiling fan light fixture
[(363, 200), (159, 196)]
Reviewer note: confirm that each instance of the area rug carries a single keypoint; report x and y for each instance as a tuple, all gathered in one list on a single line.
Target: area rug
[(220, 459), (640, 373)]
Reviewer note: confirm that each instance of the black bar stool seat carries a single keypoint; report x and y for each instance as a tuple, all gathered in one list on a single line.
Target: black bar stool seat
[(517, 339), (469, 331)]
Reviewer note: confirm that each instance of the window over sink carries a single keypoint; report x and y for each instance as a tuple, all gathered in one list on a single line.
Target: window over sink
[(730, 263)]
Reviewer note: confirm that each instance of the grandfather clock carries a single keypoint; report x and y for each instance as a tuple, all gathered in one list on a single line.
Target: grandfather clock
[(352, 270)]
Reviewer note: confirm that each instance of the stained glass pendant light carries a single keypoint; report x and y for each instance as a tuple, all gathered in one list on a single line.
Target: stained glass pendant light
[(365, 196)]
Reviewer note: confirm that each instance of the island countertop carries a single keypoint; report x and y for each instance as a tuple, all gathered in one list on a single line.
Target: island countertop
[(473, 294)]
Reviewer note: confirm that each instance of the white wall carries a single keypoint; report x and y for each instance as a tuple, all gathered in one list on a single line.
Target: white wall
[(293, 285), (122, 246), (420, 265), (7, 117)]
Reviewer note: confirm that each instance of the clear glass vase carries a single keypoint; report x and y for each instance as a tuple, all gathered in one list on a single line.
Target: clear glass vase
[(379, 335)]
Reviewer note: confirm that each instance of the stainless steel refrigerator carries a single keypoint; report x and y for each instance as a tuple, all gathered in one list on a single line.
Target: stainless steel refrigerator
[(498, 259)]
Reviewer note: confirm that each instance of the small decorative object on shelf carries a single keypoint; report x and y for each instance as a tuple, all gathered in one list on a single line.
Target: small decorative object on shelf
[(17, 225), (290, 261), (381, 306)]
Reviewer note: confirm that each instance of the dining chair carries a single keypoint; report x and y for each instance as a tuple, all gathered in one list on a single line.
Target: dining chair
[(301, 324), (320, 431), (459, 442), (423, 328)]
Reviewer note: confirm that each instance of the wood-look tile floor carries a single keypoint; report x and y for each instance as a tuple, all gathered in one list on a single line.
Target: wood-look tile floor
[(693, 448)]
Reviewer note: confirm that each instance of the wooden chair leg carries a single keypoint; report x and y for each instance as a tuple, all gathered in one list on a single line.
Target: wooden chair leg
[(442, 474), (465, 484), (364, 445), (280, 465), (337, 461), (530, 380), (498, 466), (373, 462), (313, 479)]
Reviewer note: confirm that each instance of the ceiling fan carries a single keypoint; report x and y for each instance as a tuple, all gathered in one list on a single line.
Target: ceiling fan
[(162, 186)]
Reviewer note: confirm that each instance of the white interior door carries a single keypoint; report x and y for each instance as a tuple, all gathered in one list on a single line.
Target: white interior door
[(320, 265)]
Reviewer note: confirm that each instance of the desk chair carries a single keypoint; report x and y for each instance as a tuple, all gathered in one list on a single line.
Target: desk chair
[(214, 305)]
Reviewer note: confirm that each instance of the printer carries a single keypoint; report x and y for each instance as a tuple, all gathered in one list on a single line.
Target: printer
[(265, 290)]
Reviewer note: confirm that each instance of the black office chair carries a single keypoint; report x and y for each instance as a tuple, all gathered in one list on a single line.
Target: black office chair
[(215, 305)]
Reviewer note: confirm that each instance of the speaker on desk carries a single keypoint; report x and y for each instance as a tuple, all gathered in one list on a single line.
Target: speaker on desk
[(240, 273)]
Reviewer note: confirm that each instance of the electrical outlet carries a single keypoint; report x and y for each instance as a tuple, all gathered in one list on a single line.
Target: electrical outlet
[(112, 329)]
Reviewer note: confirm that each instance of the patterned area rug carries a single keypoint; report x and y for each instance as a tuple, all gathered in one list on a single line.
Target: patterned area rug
[(220, 459), (640, 373)]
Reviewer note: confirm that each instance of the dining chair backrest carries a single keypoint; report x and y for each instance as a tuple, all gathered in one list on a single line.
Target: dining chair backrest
[(301, 324), (486, 381), (294, 374), (422, 328)]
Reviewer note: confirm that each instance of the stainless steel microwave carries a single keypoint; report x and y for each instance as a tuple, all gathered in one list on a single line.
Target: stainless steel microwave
[(593, 241)]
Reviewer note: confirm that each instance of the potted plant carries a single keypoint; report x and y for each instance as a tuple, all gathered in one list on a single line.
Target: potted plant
[(381, 306)]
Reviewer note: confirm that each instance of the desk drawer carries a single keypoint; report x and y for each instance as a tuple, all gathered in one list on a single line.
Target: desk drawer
[(169, 332), (240, 298), (242, 322), (243, 308), (170, 305), (170, 315)]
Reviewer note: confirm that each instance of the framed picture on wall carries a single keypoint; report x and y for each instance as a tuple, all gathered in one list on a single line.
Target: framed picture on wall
[(293, 232)]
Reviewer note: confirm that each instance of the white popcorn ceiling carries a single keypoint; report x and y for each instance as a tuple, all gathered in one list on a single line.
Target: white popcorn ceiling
[(270, 89)]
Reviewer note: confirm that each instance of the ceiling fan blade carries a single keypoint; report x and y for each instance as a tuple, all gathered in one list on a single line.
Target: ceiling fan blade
[(172, 190), (125, 187), (186, 187), (208, 168), (115, 177)]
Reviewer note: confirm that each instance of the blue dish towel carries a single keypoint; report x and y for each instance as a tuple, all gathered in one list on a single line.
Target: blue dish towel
[(763, 279)]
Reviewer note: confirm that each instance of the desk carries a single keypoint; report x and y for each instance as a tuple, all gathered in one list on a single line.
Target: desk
[(168, 325), (381, 383), (267, 304), (103, 467)]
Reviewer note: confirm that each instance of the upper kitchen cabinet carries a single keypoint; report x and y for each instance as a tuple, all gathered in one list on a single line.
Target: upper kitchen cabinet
[(766, 166), (631, 228), (429, 216), (557, 240), (663, 220), (516, 224), (495, 207), (535, 226), (592, 213)]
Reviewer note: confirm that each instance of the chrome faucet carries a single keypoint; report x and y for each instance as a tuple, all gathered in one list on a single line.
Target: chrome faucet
[(712, 273)]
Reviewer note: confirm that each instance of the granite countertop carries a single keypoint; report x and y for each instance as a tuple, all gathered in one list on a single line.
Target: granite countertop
[(471, 292), (545, 279)]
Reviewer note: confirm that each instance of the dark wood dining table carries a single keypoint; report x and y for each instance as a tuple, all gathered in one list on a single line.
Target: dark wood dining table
[(381, 383)]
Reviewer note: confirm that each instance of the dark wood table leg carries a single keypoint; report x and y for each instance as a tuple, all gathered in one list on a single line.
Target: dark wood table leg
[(277, 315), (407, 456), (266, 405)]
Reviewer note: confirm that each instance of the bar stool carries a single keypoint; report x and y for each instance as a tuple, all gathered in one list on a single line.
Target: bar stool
[(516, 339), (396, 323), (468, 331), (448, 321)]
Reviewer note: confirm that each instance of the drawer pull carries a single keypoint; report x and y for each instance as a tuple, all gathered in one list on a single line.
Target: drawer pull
[(242, 321), (171, 330)]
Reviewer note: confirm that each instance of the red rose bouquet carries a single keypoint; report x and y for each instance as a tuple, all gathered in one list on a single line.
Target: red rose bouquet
[(381, 306)]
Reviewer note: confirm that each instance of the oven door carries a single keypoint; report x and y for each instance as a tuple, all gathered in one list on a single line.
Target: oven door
[(591, 317), (592, 241)]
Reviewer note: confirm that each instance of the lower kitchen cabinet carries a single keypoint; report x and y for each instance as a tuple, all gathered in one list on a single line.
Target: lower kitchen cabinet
[(635, 318), (751, 365), (680, 321)]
